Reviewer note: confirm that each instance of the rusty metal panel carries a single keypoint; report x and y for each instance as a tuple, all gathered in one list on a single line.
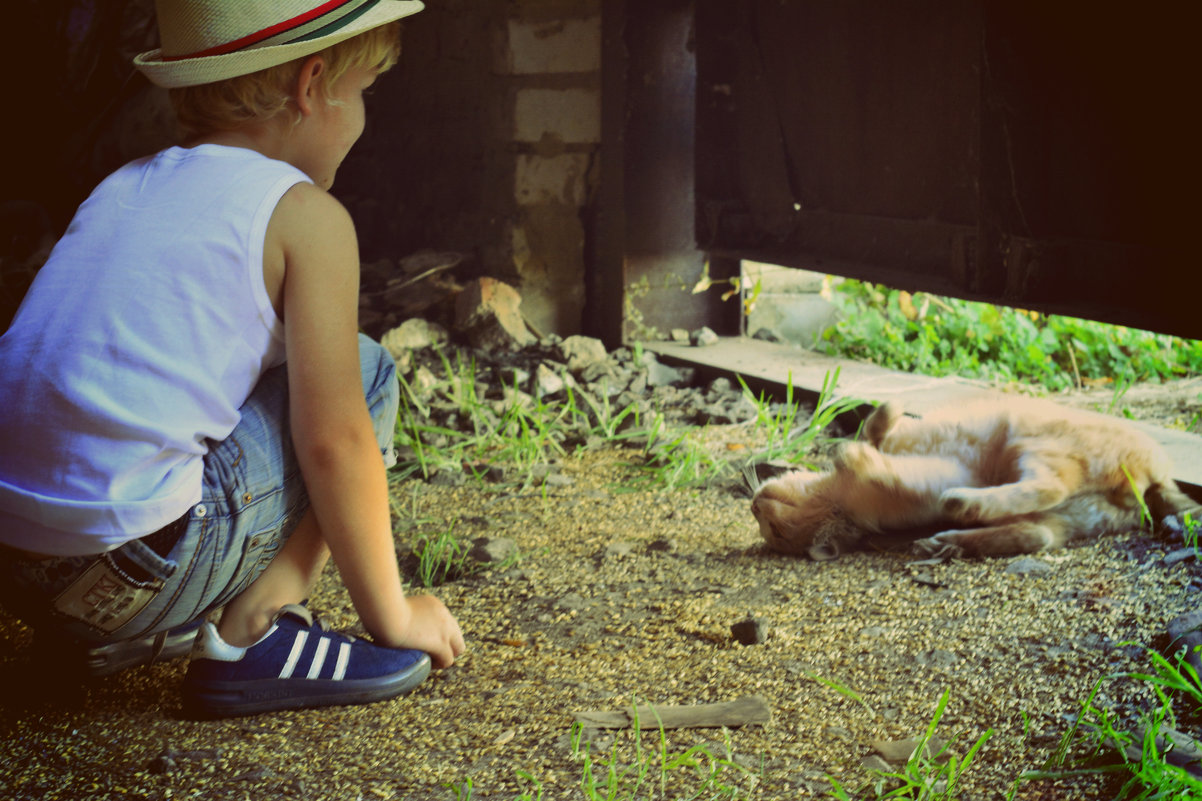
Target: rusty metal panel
[(1019, 152)]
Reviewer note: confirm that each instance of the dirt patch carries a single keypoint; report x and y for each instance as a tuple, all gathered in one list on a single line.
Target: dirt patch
[(1172, 404), (625, 593)]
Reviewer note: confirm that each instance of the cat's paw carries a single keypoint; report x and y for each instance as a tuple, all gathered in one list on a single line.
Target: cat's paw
[(935, 548), (963, 504), (861, 459)]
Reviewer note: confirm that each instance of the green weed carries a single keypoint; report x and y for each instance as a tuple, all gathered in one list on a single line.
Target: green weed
[(1190, 532), (615, 777), (642, 768), (847, 692), (441, 557), (682, 462), (1139, 755), (937, 335), (788, 439), (926, 776)]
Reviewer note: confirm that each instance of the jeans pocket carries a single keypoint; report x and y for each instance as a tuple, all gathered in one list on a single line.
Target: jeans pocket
[(104, 597), (115, 588)]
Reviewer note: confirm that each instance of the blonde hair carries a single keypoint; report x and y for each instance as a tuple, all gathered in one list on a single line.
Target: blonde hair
[(259, 96)]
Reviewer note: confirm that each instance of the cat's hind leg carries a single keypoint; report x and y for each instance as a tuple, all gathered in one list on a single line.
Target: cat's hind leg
[(1037, 533), (1045, 480)]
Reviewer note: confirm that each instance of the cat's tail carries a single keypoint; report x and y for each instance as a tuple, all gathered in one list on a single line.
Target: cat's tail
[(1165, 501)]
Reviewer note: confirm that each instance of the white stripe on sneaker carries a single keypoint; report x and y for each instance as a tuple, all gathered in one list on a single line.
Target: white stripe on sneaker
[(319, 658), (344, 656), (298, 645)]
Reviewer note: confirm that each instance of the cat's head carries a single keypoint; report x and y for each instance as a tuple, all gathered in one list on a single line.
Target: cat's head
[(797, 515)]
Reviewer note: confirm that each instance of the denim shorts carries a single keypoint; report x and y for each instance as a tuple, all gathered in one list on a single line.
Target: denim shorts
[(253, 496)]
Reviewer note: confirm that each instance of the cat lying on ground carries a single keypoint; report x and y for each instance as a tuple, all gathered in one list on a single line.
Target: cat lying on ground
[(1000, 478)]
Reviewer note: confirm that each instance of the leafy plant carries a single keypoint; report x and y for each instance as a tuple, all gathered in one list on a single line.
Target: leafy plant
[(936, 335)]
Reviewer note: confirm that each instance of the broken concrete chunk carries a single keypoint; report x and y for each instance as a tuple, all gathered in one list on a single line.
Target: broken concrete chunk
[(580, 352), (486, 311), (413, 334)]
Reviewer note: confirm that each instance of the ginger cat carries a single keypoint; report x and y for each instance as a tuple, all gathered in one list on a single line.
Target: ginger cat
[(1001, 478)]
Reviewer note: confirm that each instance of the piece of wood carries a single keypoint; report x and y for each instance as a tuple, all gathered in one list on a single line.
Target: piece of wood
[(732, 714)]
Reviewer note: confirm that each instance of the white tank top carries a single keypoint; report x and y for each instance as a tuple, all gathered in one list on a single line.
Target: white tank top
[(137, 343)]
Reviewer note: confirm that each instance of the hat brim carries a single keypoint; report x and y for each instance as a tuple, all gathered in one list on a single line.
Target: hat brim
[(175, 73)]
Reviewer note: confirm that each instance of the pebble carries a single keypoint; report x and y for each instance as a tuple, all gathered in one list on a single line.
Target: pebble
[(1028, 566)]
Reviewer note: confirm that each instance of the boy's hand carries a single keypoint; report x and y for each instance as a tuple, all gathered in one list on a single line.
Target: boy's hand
[(433, 629)]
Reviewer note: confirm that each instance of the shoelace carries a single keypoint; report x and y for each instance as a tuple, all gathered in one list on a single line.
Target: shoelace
[(312, 620)]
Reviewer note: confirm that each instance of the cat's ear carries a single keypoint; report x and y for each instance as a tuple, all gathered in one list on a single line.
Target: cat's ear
[(836, 534), (824, 551)]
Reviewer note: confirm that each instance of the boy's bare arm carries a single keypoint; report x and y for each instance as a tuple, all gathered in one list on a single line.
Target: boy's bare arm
[(331, 427)]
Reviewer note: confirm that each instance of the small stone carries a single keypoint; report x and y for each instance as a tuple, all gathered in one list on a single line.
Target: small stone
[(679, 335), (163, 764), (580, 352), (874, 762), (596, 372), (900, 751), (659, 374), (703, 337), (839, 733), (618, 549), (1028, 566), (556, 479), (1180, 555), (748, 632), (718, 387), (547, 381), (447, 478), (489, 550), (936, 658), (424, 380), (1185, 633), (413, 334)]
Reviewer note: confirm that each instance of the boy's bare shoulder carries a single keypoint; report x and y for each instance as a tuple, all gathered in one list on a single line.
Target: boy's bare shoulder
[(308, 216), (307, 203)]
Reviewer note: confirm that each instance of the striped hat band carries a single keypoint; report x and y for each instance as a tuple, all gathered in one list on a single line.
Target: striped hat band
[(212, 40)]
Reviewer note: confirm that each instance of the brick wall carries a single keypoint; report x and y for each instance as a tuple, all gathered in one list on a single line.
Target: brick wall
[(486, 141)]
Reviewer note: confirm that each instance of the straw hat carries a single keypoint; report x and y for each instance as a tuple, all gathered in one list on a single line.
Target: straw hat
[(210, 40)]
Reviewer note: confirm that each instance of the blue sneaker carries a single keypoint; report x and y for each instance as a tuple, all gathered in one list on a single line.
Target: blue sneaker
[(298, 663)]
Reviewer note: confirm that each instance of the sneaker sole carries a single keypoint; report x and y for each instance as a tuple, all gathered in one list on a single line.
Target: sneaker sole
[(221, 699), (109, 659)]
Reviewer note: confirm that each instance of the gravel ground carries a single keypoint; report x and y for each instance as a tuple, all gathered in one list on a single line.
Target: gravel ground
[(624, 594)]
